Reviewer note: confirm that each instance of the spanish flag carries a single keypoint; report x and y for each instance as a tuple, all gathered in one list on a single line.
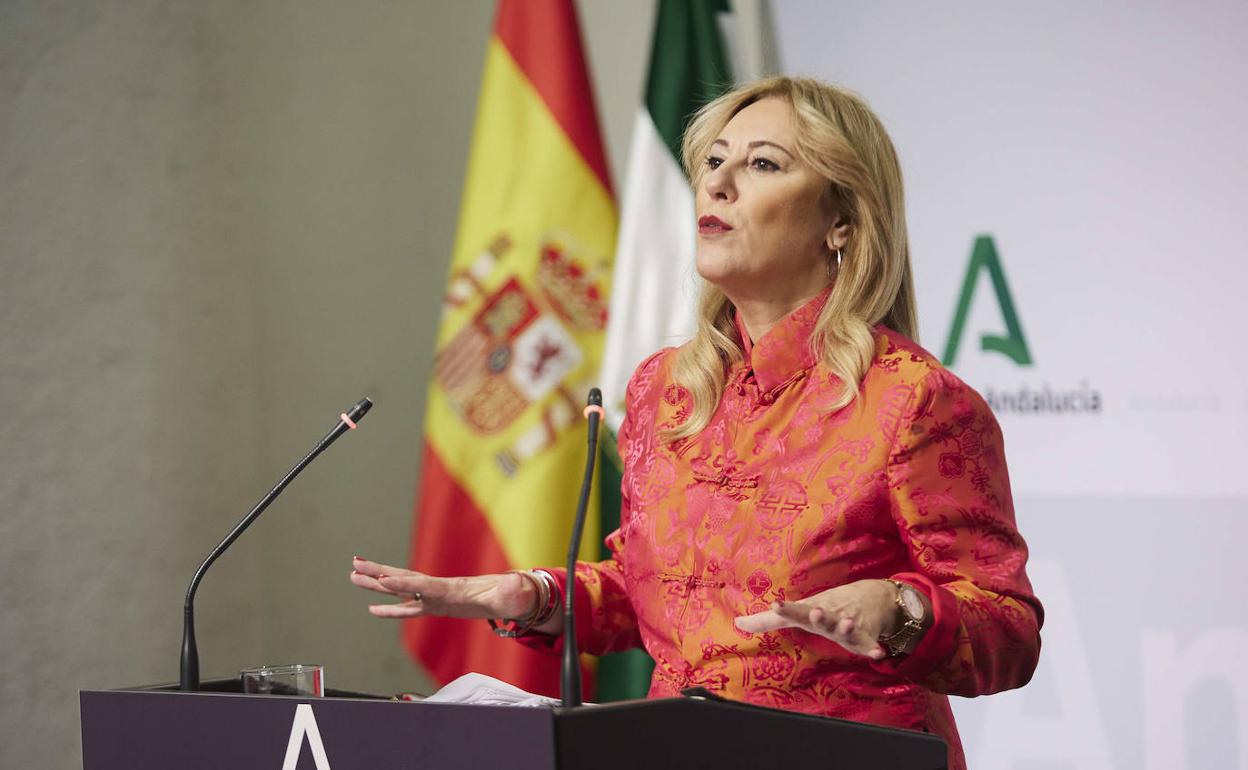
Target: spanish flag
[(520, 340)]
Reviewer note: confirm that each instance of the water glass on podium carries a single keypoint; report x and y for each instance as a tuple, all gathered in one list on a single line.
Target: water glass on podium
[(295, 679)]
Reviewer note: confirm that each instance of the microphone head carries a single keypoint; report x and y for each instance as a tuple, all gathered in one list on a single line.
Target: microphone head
[(595, 397), (360, 409)]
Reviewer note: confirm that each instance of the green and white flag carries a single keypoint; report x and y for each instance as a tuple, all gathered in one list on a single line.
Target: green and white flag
[(653, 293)]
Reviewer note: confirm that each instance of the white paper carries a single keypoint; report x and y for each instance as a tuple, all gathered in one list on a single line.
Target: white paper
[(482, 690)]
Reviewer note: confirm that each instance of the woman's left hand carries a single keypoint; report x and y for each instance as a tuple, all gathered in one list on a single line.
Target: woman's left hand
[(854, 616)]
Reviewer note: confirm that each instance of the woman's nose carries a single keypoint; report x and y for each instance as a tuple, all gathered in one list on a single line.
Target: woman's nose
[(719, 184)]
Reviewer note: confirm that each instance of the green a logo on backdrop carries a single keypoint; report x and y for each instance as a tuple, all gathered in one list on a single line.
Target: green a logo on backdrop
[(984, 257)]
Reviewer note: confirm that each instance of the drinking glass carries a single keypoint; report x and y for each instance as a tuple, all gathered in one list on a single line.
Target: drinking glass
[(295, 679)]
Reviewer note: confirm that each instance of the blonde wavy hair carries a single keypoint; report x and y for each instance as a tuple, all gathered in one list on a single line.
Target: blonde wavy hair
[(840, 138)]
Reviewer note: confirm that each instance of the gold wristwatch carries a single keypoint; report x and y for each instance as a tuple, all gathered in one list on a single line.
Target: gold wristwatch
[(914, 610)]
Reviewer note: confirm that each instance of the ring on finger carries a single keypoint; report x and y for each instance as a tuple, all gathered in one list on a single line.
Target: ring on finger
[(416, 597)]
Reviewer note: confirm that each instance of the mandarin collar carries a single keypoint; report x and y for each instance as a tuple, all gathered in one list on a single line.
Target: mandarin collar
[(785, 350)]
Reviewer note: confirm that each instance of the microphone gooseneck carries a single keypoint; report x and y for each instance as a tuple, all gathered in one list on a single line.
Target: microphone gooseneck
[(190, 652), (570, 674)]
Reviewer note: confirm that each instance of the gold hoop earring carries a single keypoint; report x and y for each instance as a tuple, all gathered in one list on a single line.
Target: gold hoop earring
[(833, 272)]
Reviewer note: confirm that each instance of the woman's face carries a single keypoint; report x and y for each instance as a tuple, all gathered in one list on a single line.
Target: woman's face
[(765, 219)]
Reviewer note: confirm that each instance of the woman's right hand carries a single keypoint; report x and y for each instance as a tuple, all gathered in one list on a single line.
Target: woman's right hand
[(484, 596)]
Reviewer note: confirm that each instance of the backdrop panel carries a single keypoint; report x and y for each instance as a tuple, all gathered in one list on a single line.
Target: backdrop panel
[(1084, 166)]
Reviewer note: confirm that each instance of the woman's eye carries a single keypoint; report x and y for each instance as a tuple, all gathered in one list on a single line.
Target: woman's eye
[(714, 162), (762, 164)]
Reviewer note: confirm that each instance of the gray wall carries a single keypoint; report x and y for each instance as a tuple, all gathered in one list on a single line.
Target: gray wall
[(220, 224)]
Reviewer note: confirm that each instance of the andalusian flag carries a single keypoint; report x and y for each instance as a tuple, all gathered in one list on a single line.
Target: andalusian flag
[(655, 286), (521, 337), (654, 293)]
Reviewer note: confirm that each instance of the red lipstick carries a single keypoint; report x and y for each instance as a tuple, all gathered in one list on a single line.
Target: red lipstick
[(709, 225)]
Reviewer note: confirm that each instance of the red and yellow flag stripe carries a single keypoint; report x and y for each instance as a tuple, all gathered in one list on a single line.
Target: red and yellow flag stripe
[(521, 336)]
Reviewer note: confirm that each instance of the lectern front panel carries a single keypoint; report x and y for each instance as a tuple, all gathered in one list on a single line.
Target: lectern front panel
[(136, 730)]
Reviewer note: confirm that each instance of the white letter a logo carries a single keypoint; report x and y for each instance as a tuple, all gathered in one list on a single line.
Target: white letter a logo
[(305, 725)]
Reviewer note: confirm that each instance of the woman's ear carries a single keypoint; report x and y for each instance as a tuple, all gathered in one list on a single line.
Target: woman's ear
[(838, 234)]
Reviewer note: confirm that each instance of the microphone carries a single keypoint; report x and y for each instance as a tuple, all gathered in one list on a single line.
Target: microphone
[(570, 675), (190, 653)]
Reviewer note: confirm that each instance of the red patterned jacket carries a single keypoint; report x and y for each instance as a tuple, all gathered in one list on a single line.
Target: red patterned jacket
[(780, 498)]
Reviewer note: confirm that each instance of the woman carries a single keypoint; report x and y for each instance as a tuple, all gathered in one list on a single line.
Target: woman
[(817, 515)]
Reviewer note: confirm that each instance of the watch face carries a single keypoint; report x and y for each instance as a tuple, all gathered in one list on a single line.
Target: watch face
[(911, 602)]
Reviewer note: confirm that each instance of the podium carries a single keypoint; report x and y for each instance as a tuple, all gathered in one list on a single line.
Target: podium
[(220, 727)]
